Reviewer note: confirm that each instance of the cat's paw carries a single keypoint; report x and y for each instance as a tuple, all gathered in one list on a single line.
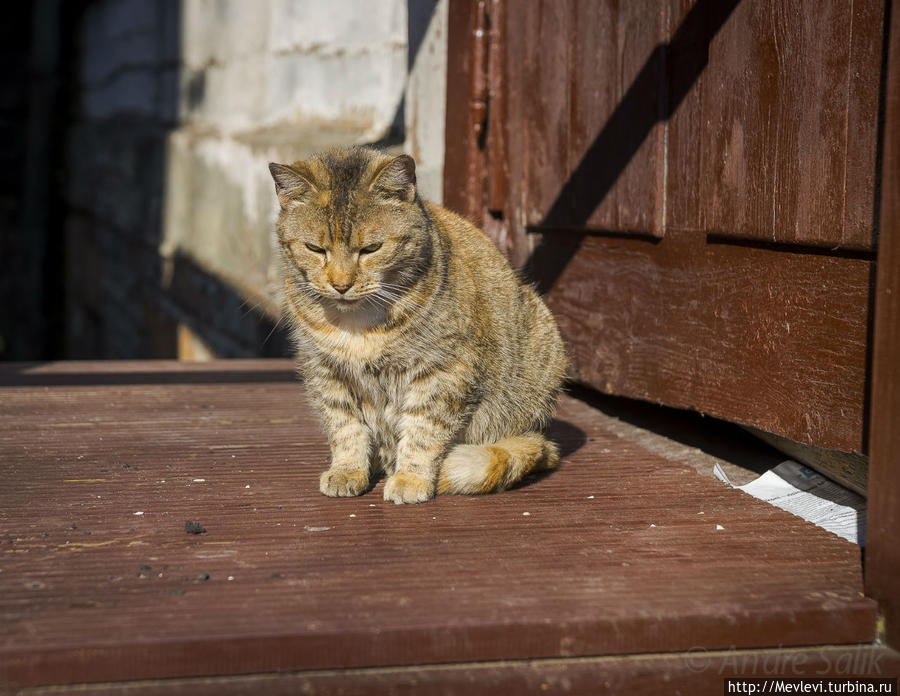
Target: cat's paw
[(343, 483), (403, 487)]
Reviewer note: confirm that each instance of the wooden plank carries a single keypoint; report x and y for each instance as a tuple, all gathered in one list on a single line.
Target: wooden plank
[(537, 85), (583, 95), (545, 84), (721, 139), (581, 70), (760, 337), (785, 83), (619, 552), (611, 44), (698, 673), (883, 556), (865, 73), (850, 469), (683, 184), (464, 191)]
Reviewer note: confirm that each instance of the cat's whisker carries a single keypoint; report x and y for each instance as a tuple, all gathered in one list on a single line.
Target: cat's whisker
[(394, 286), (274, 328), (251, 306)]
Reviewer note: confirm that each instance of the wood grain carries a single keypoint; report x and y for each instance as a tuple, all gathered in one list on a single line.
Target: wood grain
[(463, 193), (619, 552), (850, 469), (683, 183), (698, 673), (775, 140), (788, 123), (536, 83), (883, 558), (565, 78), (610, 45), (865, 75), (756, 336)]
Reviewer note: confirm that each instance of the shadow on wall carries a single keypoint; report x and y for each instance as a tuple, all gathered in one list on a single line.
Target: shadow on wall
[(33, 97), (123, 100), (240, 329), (124, 300)]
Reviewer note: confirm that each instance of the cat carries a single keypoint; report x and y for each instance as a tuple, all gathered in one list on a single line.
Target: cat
[(425, 355)]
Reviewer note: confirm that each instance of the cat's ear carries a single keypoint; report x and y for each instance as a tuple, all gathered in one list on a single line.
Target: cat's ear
[(291, 184), (396, 178)]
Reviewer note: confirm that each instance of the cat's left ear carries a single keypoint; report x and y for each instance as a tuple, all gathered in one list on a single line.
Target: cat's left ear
[(397, 178)]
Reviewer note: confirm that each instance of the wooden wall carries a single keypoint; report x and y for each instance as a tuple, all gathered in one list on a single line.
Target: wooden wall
[(692, 184)]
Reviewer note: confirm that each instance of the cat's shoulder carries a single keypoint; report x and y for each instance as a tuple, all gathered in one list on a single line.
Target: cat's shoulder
[(462, 233)]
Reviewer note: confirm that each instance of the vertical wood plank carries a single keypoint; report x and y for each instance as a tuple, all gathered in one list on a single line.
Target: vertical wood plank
[(612, 43), (462, 160), (775, 142), (497, 172), (683, 190), (576, 71), (883, 520), (866, 46), (545, 81), (535, 129)]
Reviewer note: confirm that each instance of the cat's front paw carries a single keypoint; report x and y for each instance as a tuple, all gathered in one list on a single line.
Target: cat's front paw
[(403, 487), (343, 483)]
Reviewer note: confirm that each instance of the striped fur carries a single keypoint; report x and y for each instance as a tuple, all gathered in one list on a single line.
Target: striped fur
[(437, 366)]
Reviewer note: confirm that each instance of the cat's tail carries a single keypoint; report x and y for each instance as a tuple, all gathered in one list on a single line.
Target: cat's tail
[(469, 469)]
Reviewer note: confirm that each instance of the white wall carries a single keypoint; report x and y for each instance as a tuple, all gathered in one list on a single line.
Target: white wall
[(183, 103), (261, 63), (277, 80)]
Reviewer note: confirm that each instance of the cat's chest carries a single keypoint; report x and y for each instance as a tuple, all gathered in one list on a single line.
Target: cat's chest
[(379, 394), (381, 387)]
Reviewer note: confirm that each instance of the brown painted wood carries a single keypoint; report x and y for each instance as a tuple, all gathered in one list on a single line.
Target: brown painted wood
[(745, 124), (536, 77), (619, 551), (781, 80), (865, 93), (611, 46), (883, 557), (850, 469), (464, 193), (569, 69), (697, 673), (761, 337), (785, 83), (683, 191)]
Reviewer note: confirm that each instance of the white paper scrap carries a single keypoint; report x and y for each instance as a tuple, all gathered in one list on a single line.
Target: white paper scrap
[(807, 494)]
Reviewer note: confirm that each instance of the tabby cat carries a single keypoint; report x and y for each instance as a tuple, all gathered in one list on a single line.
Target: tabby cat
[(427, 358)]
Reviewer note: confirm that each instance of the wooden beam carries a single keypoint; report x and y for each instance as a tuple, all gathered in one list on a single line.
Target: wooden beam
[(883, 553)]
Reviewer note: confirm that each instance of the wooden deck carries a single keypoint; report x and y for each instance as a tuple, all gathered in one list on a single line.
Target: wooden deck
[(618, 552)]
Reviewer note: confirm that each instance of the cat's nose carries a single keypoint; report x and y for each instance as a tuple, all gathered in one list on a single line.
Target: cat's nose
[(341, 287)]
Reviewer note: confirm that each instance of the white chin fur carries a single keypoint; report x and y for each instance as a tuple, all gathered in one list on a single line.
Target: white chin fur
[(354, 316)]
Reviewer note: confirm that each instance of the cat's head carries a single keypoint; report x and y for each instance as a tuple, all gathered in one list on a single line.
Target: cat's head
[(350, 225)]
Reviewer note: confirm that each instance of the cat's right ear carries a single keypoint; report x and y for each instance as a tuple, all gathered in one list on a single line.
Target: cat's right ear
[(291, 186)]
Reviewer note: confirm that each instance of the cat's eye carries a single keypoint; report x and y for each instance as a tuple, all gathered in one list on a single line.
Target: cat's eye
[(315, 249), (371, 248)]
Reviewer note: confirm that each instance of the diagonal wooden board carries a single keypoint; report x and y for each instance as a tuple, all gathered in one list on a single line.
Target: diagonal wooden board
[(617, 552)]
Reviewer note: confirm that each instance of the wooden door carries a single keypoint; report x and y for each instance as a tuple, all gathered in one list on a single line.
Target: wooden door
[(692, 185)]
